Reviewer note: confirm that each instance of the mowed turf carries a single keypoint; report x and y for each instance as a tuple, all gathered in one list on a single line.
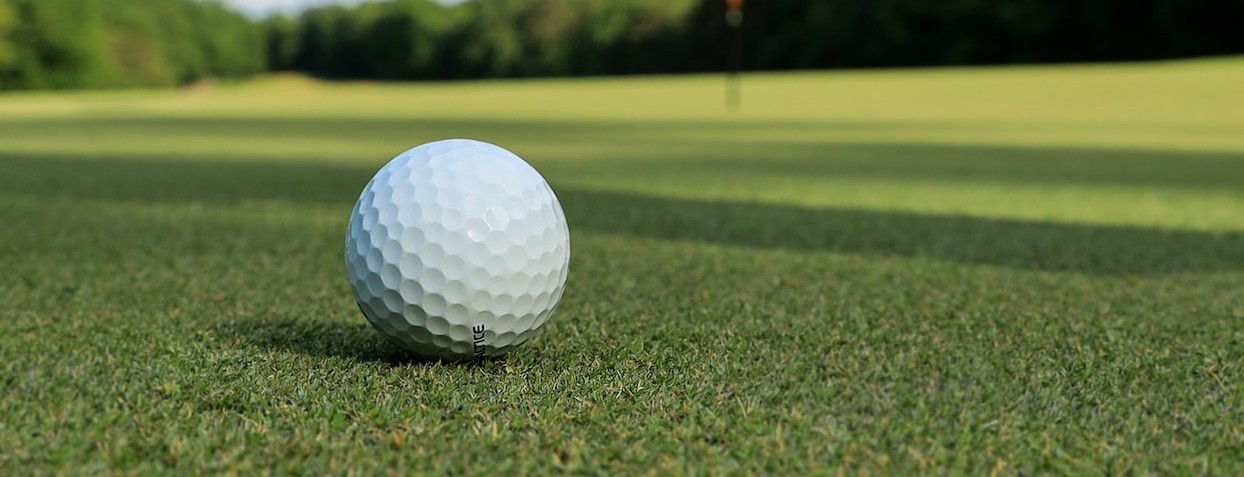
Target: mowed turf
[(1016, 270)]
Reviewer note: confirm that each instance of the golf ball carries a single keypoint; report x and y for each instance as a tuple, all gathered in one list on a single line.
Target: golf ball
[(457, 249)]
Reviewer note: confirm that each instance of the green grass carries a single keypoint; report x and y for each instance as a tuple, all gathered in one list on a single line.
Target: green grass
[(1016, 270)]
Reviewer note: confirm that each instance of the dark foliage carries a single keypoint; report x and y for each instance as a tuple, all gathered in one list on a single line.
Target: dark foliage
[(109, 43)]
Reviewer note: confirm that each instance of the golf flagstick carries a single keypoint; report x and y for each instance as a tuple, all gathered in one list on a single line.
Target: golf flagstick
[(734, 21)]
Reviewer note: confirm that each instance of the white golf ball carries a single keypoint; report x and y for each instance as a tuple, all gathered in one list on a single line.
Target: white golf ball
[(457, 249)]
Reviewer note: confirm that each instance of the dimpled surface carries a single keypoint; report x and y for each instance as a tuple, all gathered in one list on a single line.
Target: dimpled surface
[(452, 237)]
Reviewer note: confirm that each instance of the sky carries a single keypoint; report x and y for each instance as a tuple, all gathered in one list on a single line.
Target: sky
[(261, 8), (268, 7)]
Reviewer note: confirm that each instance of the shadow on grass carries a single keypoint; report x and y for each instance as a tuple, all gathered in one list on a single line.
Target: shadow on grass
[(208, 176), (1087, 248), (319, 338), (1047, 246), (192, 179), (671, 147)]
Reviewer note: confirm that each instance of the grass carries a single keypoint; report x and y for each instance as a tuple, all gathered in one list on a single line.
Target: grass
[(967, 271)]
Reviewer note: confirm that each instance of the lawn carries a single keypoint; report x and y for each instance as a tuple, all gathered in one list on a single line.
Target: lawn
[(1012, 270)]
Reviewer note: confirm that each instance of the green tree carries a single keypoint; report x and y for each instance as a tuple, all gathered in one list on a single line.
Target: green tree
[(485, 41), (178, 42), (545, 30), (55, 44), (601, 25), (232, 45), (111, 43), (138, 47), (6, 25), (649, 43), (281, 42), (323, 41), (398, 39)]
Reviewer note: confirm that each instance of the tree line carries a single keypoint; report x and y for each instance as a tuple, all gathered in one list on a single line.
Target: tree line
[(423, 39), (64, 44), (418, 39), (120, 43)]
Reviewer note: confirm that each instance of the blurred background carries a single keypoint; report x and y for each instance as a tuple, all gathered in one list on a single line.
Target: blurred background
[(985, 237), (143, 43)]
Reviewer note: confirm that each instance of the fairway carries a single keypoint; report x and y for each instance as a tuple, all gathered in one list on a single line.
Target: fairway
[(1013, 270)]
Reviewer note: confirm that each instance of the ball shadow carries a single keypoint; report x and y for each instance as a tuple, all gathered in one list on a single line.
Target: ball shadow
[(323, 338)]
